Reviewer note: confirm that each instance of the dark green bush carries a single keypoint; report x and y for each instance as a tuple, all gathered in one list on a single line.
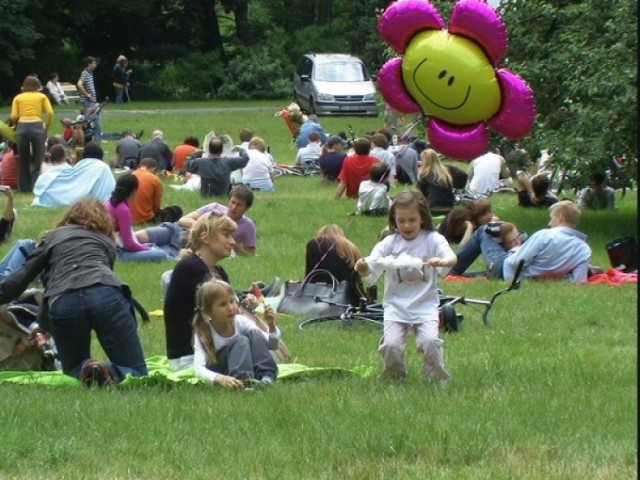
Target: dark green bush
[(256, 74)]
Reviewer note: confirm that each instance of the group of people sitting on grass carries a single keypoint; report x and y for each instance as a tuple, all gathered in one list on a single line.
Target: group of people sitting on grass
[(203, 327)]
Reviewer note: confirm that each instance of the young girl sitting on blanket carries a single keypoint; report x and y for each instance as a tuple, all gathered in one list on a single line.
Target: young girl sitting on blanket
[(408, 258), (229, 349)]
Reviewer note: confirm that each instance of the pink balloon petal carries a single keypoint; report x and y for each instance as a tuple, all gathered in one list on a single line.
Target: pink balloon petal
[(392, 88), (476, 20), (404, 18), (517, 114), (461, 143)]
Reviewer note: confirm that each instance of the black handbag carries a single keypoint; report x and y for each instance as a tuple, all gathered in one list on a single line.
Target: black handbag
[(315, 299)]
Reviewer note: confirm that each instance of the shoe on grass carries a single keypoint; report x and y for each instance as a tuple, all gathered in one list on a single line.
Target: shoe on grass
[(96, 373)]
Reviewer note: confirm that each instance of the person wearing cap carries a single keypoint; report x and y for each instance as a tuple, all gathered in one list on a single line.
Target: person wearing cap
[(158, 149), (330, 162), (310, 125), (32, 113)]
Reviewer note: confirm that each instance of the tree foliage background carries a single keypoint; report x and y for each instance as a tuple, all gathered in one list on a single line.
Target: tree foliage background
[(578, 56)]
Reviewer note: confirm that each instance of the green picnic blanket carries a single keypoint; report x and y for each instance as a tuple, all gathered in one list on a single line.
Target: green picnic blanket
[(159, 374)]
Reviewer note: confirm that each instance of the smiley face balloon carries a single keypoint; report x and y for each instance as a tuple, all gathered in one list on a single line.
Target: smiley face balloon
[(450, 77)]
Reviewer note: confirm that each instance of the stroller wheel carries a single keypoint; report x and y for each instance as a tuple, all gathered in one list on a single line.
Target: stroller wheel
[(448, 318)]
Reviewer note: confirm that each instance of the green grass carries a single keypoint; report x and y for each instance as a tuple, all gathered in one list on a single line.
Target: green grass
[(548, 392)]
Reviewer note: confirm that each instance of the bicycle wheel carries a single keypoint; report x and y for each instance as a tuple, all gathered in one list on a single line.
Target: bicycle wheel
[(314, 321), (448, 318)]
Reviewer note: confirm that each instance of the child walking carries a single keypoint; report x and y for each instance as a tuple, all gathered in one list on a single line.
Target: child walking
[(229, 349), (408, 257)]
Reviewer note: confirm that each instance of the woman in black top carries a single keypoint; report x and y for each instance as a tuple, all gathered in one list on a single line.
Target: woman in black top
[(331, 250), (210, 240)]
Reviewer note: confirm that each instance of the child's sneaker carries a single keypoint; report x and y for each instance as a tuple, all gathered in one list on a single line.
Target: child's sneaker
[(252, 384), (267, 380)]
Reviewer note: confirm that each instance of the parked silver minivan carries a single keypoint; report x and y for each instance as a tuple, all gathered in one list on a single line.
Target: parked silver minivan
[(334, 84)]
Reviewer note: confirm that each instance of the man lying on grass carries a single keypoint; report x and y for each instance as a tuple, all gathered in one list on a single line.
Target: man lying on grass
[(556, 252), (172, 236)]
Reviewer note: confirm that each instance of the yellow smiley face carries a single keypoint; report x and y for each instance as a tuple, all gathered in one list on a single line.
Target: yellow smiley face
[(451, 78)]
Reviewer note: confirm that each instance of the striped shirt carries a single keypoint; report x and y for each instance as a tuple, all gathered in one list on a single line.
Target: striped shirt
[(86, 77)]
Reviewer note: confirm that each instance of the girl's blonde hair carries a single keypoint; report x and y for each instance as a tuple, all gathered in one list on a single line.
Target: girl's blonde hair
[(430, 164), (205, 227), (345, 248), (206, 295)]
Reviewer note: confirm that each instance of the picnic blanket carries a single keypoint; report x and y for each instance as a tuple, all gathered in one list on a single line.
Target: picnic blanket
[(63, 186), (160, 374), (613, 277)]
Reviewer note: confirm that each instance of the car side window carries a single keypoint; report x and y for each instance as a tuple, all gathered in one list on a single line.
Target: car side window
[(308, 65)]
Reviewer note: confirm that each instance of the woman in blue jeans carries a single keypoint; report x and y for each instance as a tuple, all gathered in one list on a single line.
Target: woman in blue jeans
[(81, 294), (494, 241)]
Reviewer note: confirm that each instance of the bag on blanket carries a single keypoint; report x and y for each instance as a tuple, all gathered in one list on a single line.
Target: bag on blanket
[(315, 299), (17, 350)]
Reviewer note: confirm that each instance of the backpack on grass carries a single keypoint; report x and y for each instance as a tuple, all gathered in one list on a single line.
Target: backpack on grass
[(24, 346)]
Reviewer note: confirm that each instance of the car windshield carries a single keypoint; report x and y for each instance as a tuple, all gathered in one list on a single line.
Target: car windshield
[(341, 72)]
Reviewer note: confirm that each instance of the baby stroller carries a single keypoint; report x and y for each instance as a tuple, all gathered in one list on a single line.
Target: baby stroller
[(89, 121)]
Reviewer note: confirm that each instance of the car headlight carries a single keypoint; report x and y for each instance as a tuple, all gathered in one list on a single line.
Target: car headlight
[(325, 97), (369, 97)]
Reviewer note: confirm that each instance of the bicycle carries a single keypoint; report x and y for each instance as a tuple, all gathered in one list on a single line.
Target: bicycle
[(371, 312), (280, 169)]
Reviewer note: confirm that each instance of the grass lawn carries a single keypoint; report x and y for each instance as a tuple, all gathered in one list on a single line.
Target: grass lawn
[(548, 392)]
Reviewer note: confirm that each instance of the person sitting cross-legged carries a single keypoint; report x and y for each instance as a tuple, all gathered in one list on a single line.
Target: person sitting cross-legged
[(597, 195)]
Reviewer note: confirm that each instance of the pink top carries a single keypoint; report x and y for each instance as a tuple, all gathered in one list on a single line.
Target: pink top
[(121, 215)]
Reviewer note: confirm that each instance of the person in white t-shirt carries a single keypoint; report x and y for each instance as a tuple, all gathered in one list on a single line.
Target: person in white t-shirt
[(309, 154), (258, 173), (409, 257), (485, 174), (373, 194)]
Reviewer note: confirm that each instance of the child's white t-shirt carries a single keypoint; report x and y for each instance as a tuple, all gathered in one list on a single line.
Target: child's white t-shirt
[(410, 291), (372, 196)]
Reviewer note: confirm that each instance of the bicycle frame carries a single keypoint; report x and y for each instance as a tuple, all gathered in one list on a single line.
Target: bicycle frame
[(374, 313), (488, 304)]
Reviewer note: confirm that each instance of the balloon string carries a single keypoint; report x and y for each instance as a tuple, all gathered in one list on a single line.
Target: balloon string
[(410, 128)]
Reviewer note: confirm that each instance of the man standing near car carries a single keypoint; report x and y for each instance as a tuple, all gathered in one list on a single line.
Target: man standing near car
[(89, 95)]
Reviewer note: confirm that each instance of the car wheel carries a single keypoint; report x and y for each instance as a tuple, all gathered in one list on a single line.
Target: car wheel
[(312, 106)]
